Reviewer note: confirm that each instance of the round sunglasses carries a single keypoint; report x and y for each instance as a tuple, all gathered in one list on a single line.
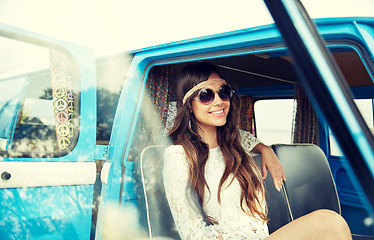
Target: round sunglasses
[(206, 95)]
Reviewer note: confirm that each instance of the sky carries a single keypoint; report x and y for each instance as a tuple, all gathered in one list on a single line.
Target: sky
[(110, 26)]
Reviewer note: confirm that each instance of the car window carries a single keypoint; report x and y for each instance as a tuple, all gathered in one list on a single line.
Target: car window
[(274, 119), (113, 70), (38, 103), (366, 109)]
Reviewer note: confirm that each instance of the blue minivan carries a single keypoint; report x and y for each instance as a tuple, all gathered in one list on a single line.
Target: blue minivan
[(82, 139)]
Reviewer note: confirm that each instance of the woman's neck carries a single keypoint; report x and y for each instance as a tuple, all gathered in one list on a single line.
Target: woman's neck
[(209, 136)]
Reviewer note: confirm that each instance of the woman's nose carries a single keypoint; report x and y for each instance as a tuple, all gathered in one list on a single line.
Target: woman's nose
[(217, 99)]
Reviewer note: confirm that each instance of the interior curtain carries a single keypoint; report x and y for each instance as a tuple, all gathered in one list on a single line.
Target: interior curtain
[(305, 119), (246, 114), (158, 86), (154, 111)]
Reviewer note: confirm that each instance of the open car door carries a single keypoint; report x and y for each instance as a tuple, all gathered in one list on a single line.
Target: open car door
[(328, 90), (47, 137)]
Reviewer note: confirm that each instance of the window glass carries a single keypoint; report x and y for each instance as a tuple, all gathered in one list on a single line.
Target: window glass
[(144, 163), (366, 109), (38, 94), (113, 70), (274, 120)]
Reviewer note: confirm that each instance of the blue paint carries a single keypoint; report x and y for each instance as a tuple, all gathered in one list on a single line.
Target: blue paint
[(62, 212)]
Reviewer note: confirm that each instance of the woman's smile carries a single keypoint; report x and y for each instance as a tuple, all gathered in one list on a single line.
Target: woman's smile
[(218, 113)]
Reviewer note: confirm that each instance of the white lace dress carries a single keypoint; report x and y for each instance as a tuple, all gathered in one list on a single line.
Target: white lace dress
[(233, 223)]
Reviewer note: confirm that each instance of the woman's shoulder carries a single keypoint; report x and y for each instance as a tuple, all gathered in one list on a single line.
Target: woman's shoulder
[(175, 156), (248, 141), (175, 152), (174, 149), (245, 134)]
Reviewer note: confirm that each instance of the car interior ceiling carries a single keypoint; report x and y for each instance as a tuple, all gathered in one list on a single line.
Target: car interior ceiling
[(264, 70)]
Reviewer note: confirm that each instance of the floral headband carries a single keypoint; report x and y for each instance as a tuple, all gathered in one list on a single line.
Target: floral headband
[(200, 86)]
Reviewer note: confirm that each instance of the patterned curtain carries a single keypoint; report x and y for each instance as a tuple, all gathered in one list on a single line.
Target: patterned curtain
[(149, 127), (305, 119), (159, 83), (154, 110), (246, 114)]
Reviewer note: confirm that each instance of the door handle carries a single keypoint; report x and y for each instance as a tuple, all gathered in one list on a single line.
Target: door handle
[(6, 176)]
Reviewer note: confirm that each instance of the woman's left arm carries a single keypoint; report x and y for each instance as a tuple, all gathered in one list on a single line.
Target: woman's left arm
[(270, 161)]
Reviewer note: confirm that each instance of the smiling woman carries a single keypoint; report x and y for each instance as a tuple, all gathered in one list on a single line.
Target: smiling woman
[(212, 184)]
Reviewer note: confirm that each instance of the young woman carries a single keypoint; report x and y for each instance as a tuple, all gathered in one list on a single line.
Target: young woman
[(213, 186)]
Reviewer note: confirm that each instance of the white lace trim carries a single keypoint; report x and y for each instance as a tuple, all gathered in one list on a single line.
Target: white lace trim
[(248, 140), (190, 223)]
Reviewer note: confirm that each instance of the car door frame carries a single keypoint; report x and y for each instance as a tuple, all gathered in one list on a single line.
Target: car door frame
[(62, 174)]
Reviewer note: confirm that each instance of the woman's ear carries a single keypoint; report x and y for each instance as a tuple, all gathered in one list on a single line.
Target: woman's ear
[(190, 110)]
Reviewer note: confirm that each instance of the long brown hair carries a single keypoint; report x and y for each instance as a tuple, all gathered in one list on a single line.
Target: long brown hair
[(237, 161)]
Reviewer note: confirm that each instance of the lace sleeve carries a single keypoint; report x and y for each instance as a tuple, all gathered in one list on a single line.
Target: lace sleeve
[(248, 140), (187, 217)]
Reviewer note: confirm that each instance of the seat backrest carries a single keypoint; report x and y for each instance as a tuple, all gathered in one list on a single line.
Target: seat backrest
[(158, 218), (309, 185), (278, 210)]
